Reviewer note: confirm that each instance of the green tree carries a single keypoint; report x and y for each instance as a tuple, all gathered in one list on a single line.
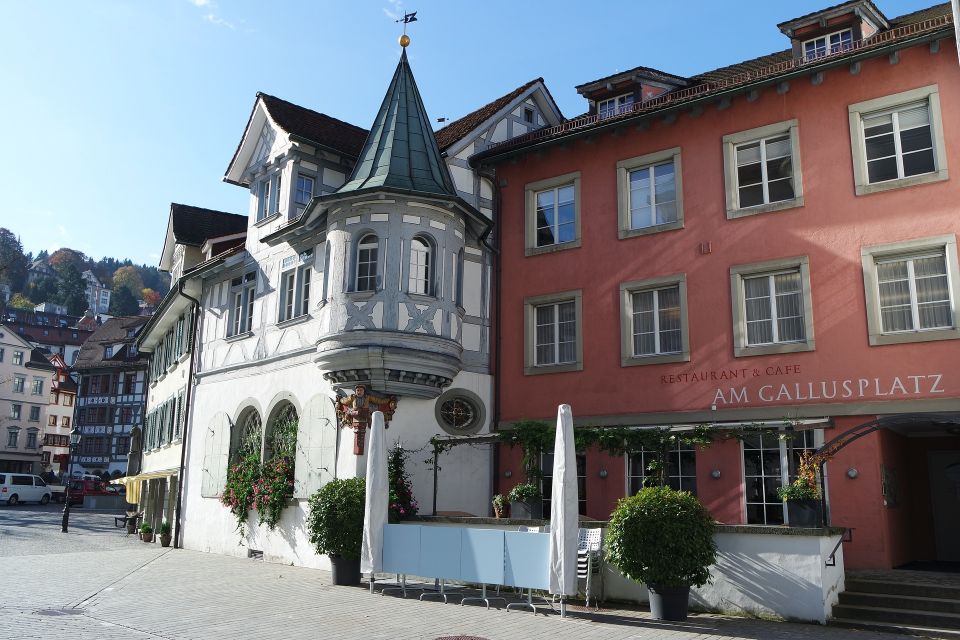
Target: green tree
[(20, 301), (44, 290), (122, 303), (72, 291), (63, 257), (127, 278), (13, 262)]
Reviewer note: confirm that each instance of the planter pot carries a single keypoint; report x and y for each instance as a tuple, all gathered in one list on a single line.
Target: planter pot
[(346, 572), (669, 603), (501, 512), (527, 510), (131, 527), (804, 513), (146, 537), (165, 539)]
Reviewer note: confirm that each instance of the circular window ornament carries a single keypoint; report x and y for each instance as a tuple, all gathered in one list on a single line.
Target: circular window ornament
[(460, 412)]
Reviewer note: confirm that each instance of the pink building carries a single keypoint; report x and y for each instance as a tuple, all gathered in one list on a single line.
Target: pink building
[(768, 249)]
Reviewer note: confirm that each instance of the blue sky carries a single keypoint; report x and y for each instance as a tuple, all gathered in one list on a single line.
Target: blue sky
[(113, 110)]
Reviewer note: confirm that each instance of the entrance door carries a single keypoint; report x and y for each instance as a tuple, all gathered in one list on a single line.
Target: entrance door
[(944, 469)]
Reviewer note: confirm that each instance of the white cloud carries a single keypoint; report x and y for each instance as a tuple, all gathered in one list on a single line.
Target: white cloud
[(218, 21), (63, 231), (212, 14), (397, 12), (201, 3)]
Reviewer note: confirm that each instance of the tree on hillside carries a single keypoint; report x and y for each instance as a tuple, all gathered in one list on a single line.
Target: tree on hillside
[(155, 279), (13, 262), (122, 303), (44, 289), (20, 301), (63, 257), (72, 291), (128, 278), (151, 297)]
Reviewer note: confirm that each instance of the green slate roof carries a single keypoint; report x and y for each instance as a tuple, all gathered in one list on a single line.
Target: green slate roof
[(401, 151)]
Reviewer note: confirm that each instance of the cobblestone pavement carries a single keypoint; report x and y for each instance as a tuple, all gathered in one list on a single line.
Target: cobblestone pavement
[(95, 583)]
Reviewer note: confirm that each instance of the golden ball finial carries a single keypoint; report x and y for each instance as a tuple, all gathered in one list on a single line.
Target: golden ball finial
[(404, 40)]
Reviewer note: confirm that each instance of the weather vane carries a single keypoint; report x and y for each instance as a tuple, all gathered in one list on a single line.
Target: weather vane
[(406, 19)]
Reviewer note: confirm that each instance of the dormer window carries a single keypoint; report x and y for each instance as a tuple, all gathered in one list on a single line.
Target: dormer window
[(615, 106), (263, 200), (828, 44)]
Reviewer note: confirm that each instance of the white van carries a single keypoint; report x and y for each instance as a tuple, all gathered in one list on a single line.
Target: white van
[(23, 487)]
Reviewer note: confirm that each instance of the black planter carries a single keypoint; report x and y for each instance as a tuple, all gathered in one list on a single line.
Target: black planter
[(669, 603), (526, 510), (346, 572), (804, 513)]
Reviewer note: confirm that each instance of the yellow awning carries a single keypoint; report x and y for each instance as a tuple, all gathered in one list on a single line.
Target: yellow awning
[(133, 483)]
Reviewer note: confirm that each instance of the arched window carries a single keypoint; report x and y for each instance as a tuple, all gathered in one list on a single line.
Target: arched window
[(421, 266), (367, 256), (281, 436), (458, 279), (246, 434)]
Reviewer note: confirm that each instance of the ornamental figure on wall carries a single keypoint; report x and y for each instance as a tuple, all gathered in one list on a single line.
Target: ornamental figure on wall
[(354, 411)]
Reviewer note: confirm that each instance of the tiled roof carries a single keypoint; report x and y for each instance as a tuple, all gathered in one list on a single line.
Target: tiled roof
[(314, 126), (113, 331), (756, 64), (825, 9), (39, 361), (195, 225), (647, 71), (920, 15), (454, 131)]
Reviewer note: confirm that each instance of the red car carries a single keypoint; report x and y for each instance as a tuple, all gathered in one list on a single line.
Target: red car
[(81, 488)]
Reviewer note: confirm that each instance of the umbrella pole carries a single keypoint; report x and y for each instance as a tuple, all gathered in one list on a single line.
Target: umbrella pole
[(371, 583), (436, 457)]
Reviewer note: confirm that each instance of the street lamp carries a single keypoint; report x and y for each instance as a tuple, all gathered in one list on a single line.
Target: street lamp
[(74, 450)]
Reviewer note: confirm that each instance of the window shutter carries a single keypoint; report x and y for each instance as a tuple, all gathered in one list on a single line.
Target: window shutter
[(216, 448), (316, 456)]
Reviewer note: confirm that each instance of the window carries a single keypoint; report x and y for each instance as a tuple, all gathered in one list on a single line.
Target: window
[(828, 44), (304, 192), (1, 354), (18, 383), (615, 106), (243, 292), (770, 462), (15, 410), (37, 388), (421, 266), (68, 401), (122, 445), (772, 308), (18, 357), (276, 193), (897, 141), (246, 435), (12, 435), (546, 482), (295, 287), (129, 383), (681, 469), (762, 169), (263, 200), (912, 290), (459, 412), (553, 214), (368, 249), (653, 318), (553, 333), (108, 351), (32, 439), (52, 421), (528, 115), (65, 421), (34, 414), (650, 197)]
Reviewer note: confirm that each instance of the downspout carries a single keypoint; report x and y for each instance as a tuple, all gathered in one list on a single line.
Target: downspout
[(495, 351), (184, 437)]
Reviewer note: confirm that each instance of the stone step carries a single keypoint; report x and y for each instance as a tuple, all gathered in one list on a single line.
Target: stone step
[(907, 617), (920, 590), (893, 601), (891, 627)]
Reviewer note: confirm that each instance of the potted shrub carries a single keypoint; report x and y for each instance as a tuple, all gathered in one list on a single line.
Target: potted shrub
[(525, 501), (501, 506), (664, 539), (165, 534), (803, 495), (335, 526), (146, 532)]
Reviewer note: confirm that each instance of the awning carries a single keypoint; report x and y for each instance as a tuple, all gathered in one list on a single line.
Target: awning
[(132, 483)]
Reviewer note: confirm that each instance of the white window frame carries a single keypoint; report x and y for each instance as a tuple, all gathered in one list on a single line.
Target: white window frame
[(36, 389), (359, 247), (647, 161), (530, 332), (737, 274), (785, 476), (299, 190), (530, 222), (16, 409), (264, 189), (929, 94), (734, 140), (295, 288), (827, 47), (19, 382), (415, 284), (619, 105), (34, 411), (909, 248), (242, 297), (18, 358), (627, 356), (684, 481)]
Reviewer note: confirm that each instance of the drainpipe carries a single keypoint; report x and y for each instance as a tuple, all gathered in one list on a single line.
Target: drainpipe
[(497, 277), (184, 437)]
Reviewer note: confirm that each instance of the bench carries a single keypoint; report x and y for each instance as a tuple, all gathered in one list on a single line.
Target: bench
[(131, 517)]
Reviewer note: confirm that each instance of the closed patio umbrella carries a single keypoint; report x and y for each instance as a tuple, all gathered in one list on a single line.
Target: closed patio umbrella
[(564, 519), (377, 500)]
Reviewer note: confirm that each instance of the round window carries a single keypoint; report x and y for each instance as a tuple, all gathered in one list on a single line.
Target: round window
[(460, 412)]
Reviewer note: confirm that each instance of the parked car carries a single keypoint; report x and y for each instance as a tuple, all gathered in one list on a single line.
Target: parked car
[(23, 487), (81, 488)]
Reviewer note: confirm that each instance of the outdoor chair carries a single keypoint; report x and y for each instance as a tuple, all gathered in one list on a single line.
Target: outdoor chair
[(590, 559), (131, 516)]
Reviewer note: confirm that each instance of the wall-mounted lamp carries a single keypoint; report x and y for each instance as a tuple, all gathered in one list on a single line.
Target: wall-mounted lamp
[(603, 473), (715, 474), (852, 473), (507, 473)]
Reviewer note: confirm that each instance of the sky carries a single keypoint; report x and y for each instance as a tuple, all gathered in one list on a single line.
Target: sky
[(112, 110)]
